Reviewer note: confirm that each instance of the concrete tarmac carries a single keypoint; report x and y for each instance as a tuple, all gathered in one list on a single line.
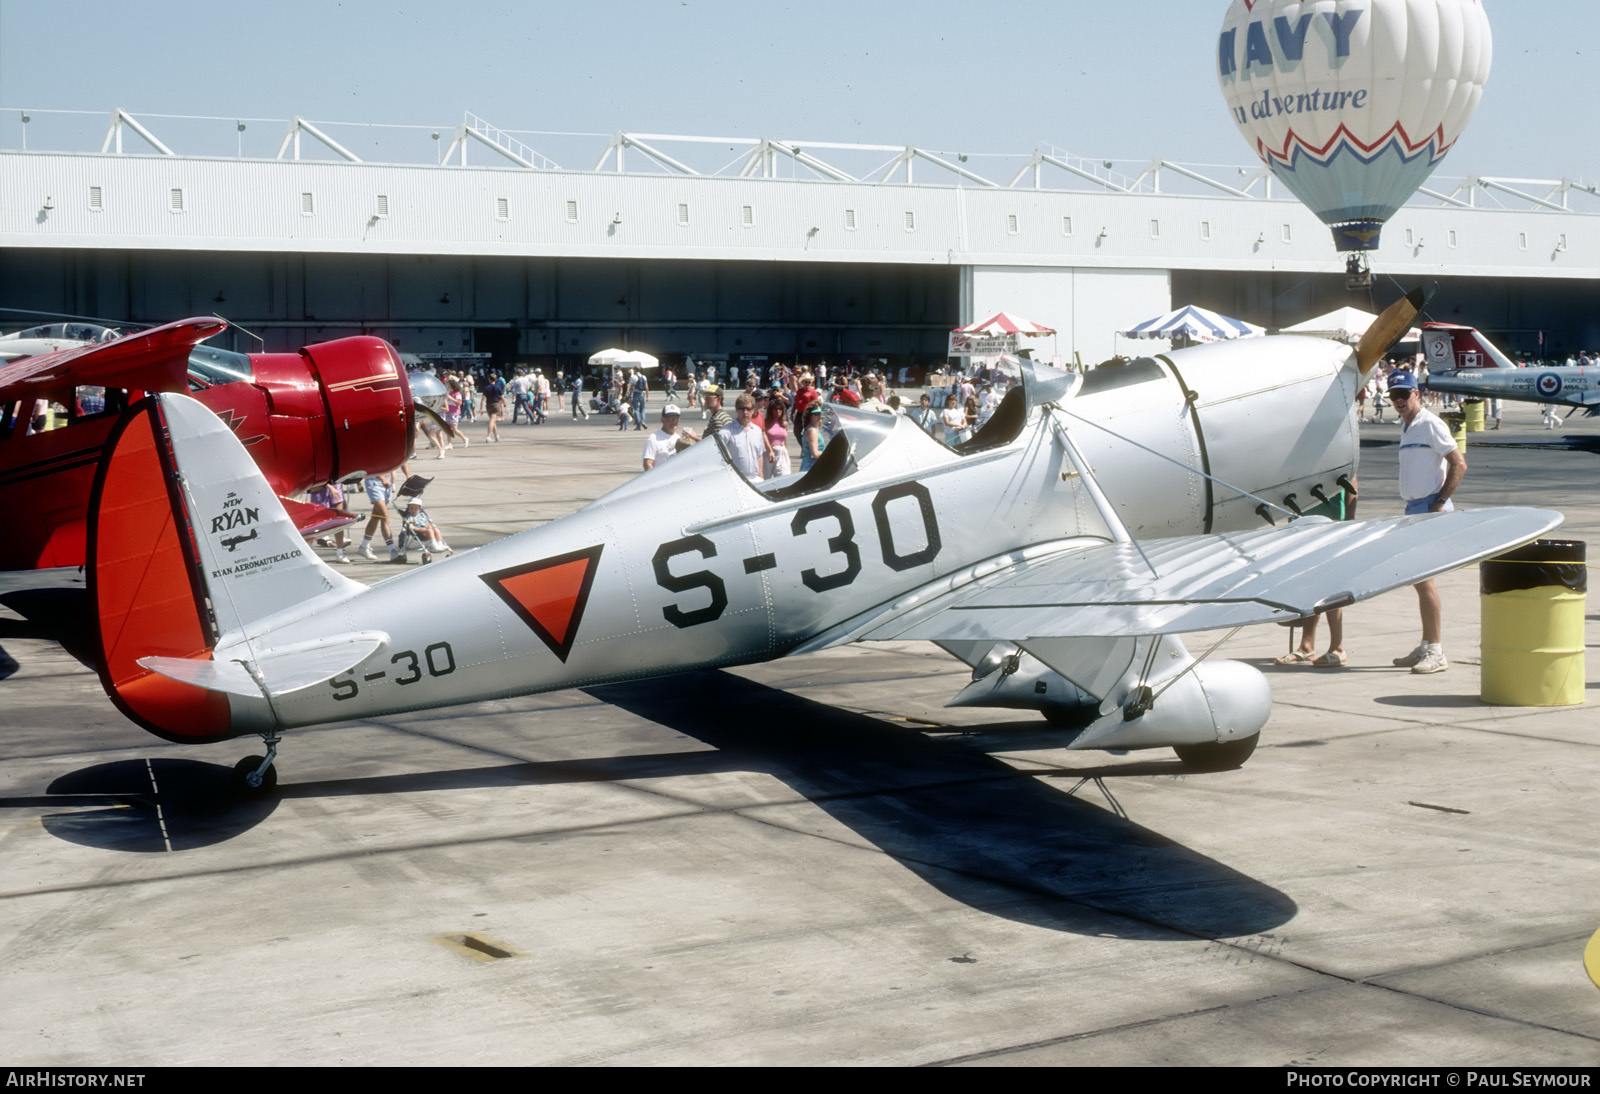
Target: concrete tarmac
[(813, 861)]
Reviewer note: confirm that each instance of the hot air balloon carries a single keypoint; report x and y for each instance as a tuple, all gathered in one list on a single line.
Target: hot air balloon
[(1352, 103)]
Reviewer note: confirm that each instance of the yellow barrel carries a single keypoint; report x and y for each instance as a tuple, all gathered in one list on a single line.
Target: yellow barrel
[(1457, 425), (1532, 604), (1474, 409)]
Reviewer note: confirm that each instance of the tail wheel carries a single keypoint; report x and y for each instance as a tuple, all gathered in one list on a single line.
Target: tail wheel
[(244, 773), (1218, 756)]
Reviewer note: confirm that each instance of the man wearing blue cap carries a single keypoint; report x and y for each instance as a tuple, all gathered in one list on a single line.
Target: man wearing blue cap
[(1431, 467)]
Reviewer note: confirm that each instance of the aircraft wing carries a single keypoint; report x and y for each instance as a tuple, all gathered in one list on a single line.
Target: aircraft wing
[(1195, 583), (152, 360)]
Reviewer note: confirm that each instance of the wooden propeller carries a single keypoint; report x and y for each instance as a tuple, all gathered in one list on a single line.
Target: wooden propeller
[(1388, 329)]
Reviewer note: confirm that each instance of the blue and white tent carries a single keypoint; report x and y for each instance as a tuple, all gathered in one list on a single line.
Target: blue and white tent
[(1193, 323)]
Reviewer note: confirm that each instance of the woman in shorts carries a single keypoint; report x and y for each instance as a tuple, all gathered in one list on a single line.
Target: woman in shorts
[(378, 488), (454, 400)]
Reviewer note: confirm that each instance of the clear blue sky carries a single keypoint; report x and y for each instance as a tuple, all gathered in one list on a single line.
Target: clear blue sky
[(1115, 80)]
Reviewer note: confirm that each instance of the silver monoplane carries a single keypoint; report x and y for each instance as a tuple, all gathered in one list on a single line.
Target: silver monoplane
[(1462, 361), (1060, 552)]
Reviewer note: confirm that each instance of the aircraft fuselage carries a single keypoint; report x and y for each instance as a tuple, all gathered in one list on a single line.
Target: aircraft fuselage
[(690, 565)]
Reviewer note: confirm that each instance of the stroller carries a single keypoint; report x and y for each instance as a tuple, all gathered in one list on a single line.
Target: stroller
[(414, 523)]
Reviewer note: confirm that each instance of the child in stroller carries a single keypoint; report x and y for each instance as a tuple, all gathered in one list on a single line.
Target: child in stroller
[(414, 522)]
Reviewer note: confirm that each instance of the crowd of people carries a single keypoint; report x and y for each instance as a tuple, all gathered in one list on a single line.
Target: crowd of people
[(765, 421)]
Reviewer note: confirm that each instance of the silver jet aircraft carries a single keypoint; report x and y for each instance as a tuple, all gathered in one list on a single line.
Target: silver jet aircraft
[(1059, 552), (1462, 361)]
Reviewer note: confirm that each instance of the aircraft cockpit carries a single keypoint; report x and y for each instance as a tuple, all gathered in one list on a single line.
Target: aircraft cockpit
[(868, 442), (210, 367)]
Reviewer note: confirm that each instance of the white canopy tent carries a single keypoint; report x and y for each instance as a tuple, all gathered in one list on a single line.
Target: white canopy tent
[(1343, 325)]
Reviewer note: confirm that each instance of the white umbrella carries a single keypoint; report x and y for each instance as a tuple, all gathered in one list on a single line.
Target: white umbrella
[(623, 358)]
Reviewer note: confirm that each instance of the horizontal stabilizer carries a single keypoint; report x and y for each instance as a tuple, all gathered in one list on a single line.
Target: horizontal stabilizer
[(1206, 582), (282, 670), (312, 519)]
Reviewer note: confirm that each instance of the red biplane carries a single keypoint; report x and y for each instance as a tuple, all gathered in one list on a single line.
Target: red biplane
[(325, 413)]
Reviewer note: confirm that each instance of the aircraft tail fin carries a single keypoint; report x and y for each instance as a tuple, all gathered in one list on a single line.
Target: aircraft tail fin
[(145, 585), (1447, 347), (188, 548), (253, 561)]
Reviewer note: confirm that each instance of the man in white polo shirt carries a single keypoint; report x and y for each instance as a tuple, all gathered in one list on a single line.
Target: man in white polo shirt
[(1431, 467), (747, 444), (662, 445)]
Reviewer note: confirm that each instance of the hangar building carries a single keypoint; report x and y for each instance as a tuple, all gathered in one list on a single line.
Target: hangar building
[(785, 250)]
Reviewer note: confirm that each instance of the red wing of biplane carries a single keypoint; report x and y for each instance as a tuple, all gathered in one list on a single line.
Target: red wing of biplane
[(153, 360)]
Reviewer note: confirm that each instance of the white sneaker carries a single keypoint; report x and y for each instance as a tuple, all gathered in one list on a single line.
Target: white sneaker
[(366, 552), (1411, 658), (466, 442), (340, 559), (396, 553), (1432, 661)]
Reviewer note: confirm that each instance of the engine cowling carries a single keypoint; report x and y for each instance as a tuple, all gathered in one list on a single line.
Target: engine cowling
[(369, 403), (335, 409)]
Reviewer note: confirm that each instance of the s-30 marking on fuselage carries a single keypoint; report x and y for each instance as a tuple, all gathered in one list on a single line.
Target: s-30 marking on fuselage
[(1059, 552)]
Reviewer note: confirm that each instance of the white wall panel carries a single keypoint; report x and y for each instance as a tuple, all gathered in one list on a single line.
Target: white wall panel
[(257, 206)]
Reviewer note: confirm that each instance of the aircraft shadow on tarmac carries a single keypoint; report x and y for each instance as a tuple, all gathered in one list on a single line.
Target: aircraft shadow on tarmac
[(1018, 845), (969, 824), (154, 805)]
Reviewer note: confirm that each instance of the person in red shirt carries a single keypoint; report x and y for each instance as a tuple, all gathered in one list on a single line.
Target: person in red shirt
[(804, 397)]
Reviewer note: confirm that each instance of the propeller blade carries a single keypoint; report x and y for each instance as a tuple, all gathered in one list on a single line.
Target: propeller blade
[(1388, 329)]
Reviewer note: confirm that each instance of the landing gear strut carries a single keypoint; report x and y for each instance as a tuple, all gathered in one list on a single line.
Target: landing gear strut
[(255, 775)]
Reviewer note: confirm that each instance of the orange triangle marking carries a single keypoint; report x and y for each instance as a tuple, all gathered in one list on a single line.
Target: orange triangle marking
[(550, 595)]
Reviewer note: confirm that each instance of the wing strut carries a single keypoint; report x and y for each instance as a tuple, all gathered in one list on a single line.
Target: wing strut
[(1119, 531)]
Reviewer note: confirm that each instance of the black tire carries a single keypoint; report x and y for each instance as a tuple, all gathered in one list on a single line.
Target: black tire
[(1220, 756), (246, 767)]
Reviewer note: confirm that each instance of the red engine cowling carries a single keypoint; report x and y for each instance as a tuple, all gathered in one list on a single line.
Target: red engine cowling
[(333, 409), (369, 403)]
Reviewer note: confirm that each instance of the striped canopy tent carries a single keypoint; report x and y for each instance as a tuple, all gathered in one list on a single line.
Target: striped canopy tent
[(1003, 322), (1195, 324)]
